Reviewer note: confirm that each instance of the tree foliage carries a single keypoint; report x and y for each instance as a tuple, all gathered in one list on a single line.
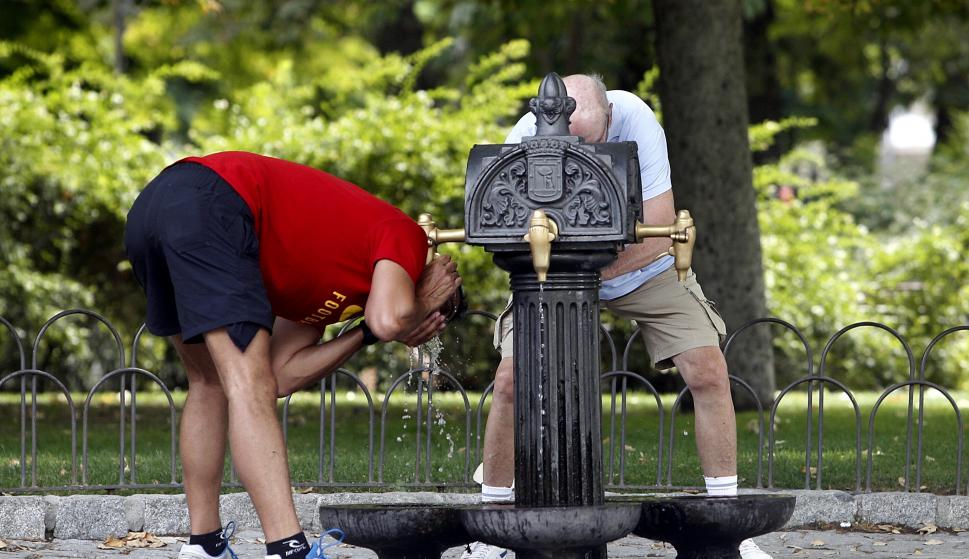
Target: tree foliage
[(323, 83), (80, 142), (825, 271)]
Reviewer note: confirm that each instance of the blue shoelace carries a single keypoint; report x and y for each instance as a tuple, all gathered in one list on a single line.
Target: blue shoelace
[(230, 528), (335, 533)]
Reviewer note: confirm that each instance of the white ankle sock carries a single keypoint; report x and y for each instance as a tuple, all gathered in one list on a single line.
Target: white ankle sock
[(723, 486), (490, 494)]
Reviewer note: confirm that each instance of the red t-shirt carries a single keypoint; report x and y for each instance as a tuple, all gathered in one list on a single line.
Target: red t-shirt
[(319, 236)]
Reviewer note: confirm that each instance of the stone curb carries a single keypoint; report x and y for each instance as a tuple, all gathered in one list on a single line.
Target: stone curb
[(95, 517)]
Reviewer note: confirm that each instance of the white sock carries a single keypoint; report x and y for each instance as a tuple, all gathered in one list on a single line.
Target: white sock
[(723, 486), (490, 494)]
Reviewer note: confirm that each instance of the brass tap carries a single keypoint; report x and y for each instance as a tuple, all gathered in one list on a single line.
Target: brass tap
[(683, 235), (541, 232), (437, 236)]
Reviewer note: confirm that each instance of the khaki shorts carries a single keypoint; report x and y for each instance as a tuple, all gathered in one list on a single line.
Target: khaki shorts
[(672, 316)]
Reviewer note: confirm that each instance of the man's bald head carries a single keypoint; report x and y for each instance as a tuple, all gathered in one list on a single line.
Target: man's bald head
[(592, 109)]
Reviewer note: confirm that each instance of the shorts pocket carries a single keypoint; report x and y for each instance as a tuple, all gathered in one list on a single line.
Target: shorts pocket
[(504, 323), (710, 308)]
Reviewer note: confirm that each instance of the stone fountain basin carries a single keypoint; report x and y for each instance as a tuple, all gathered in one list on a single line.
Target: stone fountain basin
[(398, 527), (687, 519), (544, 528)]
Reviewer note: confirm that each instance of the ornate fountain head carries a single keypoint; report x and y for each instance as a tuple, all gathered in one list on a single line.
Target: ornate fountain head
[(591, 191)]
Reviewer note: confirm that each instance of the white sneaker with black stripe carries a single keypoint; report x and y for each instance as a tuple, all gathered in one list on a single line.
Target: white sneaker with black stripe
[(189, 551)]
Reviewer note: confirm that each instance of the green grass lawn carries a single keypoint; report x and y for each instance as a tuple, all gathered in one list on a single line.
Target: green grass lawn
[(449, 449)]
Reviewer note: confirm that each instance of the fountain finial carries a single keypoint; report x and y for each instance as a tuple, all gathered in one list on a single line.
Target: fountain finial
[(552, 107)]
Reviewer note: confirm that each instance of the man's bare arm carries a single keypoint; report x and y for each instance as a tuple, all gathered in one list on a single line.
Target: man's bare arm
[(656, 211), (298, 360)]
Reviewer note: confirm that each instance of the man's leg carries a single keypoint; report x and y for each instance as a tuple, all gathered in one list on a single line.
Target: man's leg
[(705, 372), (499, 441), (202, 437), (256, 439)]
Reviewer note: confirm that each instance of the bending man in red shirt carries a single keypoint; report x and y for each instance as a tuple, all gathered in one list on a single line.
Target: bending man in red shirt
[(245, 259)]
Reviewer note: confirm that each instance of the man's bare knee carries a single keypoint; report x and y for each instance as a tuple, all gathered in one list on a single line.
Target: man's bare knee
[(704, 370), (243, 374)]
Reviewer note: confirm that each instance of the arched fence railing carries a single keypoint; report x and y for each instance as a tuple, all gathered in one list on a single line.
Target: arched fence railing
[(426, 383)]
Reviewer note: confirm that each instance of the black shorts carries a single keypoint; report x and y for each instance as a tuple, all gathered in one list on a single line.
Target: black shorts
[(192, 245)]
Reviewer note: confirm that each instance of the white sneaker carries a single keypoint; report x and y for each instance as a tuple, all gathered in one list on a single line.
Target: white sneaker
[(481, 550), (189, 551), (749, 550)]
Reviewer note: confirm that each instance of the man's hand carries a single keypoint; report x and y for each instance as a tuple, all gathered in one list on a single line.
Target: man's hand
[(437, 283), (432, 326)]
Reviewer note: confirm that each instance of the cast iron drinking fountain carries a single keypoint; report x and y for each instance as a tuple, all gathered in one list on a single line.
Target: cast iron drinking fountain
[(554, 211)]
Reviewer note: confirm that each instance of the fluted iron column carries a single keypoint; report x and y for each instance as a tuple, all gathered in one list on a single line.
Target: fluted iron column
[(558, 458)]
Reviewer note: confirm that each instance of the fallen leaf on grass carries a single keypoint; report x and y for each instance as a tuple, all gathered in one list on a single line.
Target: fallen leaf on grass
[(753, 426)]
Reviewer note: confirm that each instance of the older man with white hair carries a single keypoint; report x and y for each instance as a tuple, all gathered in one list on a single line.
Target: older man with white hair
[(679, 324)]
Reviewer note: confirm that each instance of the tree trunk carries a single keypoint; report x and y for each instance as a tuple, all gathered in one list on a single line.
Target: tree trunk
[(764, 94), (699, 48)]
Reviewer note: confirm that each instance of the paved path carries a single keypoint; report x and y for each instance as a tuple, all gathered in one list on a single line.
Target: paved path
[(799, 544)]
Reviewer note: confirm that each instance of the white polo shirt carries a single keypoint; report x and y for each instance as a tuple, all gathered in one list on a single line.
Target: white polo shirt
[(632, 120)]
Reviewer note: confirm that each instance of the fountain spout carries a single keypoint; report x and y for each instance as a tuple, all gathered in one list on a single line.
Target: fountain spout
[(541, 232), (437, 236), (683, 234)]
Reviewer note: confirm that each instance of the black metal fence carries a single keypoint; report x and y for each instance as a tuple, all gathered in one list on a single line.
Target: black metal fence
[(617, 385)]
